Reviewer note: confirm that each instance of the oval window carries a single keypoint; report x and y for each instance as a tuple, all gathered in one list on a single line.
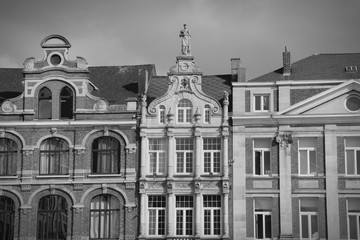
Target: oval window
[(55, 59), (353, 103)]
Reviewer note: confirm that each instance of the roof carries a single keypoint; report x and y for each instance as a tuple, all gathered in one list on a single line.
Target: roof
[(212, 85), (317, 67), (114, 83)]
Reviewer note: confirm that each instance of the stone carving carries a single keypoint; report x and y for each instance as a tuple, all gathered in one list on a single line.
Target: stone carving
[(184, 84), (81, 63), (185, 41), (155, 185), (101, 105), (226, 96), (26, 188), (29, 63), (25, 210), (78, 187), (77, 210), (130, 185), (8, 107)]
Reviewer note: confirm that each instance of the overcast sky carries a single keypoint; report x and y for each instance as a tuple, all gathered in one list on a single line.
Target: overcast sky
[(114, 32)]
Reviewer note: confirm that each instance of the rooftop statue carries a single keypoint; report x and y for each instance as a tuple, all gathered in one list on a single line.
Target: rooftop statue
[(185, 41)]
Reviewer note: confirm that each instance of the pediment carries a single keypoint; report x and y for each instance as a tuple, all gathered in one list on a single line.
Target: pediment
[(342, 99)]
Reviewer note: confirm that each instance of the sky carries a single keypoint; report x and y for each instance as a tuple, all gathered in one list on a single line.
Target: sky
[(132, 32)]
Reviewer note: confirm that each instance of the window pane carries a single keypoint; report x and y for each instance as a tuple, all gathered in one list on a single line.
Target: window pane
[(266, 162), (309, 204), (262, 143), (357, 162), (66, 103), (7, 208), (179, 222), (303, 162), (266, 102), (217, 162), (259, 226), (257, 102), (307, 142), (161, 223), (207, 222), (267, 226), (217, 221), (152, 221), (354, 204), (304, 226), (313, 165), (207, 162), (353, 227), (314, 227), (352, 142), (257, 162), (262, 204), (350, 161)]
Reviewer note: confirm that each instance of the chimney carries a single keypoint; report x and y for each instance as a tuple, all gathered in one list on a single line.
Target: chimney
[(143, 81), (237, 72), (286, 63)]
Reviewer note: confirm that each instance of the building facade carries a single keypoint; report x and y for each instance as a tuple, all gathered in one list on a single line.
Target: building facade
[(68, 156), (184, 172), (296, 139)]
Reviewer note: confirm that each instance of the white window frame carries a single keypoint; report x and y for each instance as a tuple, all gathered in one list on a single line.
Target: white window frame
[(356, 153), (212, 210), (353, 214), (157, 211), (308, 214), (158, 152), (186, 153), (262, 105), (184, 113), (212, 153), (262, 150), (183, 210), (263, 214), (162, 117), (308, 150), (207, 114)]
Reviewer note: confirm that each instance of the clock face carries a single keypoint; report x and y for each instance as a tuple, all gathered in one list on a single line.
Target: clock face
[(184, 66)]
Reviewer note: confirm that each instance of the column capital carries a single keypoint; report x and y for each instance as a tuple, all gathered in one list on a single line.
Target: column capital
[(197, 133)]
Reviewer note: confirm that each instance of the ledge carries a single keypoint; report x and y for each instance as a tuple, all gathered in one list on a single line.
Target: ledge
[(104, 175), (53, 176)]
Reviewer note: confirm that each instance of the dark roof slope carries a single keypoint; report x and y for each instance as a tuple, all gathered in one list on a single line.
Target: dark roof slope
[(317, 67), (213, 86), (114, 83)]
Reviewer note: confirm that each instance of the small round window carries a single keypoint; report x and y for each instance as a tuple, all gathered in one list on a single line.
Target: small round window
[(352, 103), (55, 59)]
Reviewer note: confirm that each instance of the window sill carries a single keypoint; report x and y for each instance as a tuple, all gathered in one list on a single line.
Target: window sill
[(53, 176), (8, 177), (104, 175), (183, 175)]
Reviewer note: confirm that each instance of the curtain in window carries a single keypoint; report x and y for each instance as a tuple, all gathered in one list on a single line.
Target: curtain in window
[(8, 156), (7, 209), (104, 217), (52, 218), (106, 152), (45, 103), (54, 156)]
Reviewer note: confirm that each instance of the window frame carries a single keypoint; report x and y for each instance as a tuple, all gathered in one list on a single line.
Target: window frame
[(263, 214), (158, 152), (356, 158), (213, 152), (47, 100), (53, 213), (213, 210), (187, 154), (309, 215), (159, 210), (262, 105), (8, 157), (308, 151), (59, 153), (184, 210), (115, 159), (262, 151), (184, 113), (109, 215), (8, 216)]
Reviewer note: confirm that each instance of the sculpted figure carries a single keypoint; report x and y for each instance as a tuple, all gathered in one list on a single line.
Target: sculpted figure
[(185, 41)]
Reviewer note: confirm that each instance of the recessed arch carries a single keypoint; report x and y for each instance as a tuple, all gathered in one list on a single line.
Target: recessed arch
[(66, 103)]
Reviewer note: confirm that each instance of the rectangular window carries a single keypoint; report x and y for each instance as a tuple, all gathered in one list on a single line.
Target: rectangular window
[(162, 114), (263, 209), (352, 155), (212, 214), (212, 153), (184, 215), (207, 114), (353, 209), (262, 164), (157, 214), (157, 154), (307, 156), (309, 218), (262, 103), (184, 155)]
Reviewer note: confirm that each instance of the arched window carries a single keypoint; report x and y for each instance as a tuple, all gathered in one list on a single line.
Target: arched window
[(54, 156), (162, 114), (52, 218), (104, 217), (105, 156), (184, 111), (8, 157), (45, 103), (66, 103), (7, 213)]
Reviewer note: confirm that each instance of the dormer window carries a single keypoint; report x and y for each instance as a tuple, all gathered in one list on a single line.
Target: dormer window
[(45, 103), (162, 114), (66, 103), (207, 114), (261, 102), (184, 111)]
